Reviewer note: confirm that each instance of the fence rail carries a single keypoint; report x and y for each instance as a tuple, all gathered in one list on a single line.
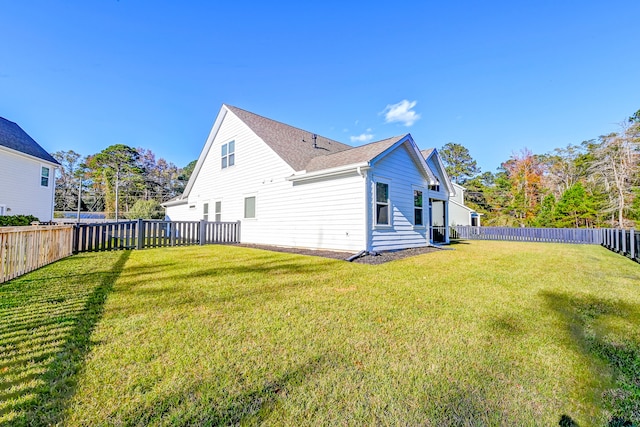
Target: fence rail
[(624, 242), (142, 234), (591, 236), (24, 249)]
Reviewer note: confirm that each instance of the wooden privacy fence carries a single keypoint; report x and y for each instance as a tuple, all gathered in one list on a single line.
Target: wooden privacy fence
[(24, 249), (142, 234)]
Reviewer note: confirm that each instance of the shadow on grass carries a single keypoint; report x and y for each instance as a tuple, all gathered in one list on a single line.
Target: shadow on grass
[(45, 342), (251, 406), (621, 354)]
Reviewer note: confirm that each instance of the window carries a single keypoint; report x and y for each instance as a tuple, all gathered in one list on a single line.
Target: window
[(250, 207), (228, 154), (434, 187), (205, 211), (417, 208), (382, 203), (44, 176), (218, 212), (3, 209)]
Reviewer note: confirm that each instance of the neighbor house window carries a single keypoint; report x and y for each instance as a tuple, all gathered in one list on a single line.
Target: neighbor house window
[(218, 212), (250, 207), (417, 207), (228, 154), (205, 211), (382, 203), (44, 176)]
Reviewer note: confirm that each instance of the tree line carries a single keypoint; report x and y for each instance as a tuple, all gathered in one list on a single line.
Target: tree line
[(121, 181), (592, 184)]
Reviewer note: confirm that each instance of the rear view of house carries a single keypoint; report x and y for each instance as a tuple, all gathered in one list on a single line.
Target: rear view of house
[(27, 174), (291, 187)]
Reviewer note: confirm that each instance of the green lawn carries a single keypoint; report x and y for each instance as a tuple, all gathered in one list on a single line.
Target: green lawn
[(490, 333)]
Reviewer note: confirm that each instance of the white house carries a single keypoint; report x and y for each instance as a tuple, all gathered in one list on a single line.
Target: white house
[(27, 174), (291, 187), (459, 213)]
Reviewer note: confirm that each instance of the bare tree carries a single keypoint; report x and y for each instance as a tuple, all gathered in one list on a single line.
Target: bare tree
[(616, 166)]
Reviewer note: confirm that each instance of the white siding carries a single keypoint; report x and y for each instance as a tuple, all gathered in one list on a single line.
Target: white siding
[(320, 214), (20, 189), (459, 215), (401, 173)]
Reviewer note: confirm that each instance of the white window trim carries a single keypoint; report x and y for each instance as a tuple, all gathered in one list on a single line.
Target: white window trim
[(208, 213), (215, 212), (387, 181), (227, 155), (49, 178), (413, 210), (255, 207)]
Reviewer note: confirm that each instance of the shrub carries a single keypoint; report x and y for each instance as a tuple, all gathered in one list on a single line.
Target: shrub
[(17, 220)]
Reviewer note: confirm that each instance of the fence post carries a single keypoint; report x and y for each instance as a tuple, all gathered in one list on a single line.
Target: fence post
[(76, 238), (238, 232), (140, 232), (202, 231), (632, 243)]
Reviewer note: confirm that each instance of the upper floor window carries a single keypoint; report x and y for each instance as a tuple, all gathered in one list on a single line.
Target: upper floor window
[(44, 176), (417, 208), (228, 154), (435, 187), (382, 203)]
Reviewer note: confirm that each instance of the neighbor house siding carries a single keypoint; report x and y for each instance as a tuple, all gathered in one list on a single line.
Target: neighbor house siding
[(21, 192), (403, 176)]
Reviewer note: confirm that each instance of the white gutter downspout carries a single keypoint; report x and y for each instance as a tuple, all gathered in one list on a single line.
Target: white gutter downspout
[(367, 239)]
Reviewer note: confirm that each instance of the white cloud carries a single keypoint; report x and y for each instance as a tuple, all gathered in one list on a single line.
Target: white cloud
[(401, 112), (365, 137)]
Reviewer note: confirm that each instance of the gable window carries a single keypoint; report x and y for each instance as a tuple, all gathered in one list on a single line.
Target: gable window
[(382, 203), (44, 176), (435, 187), (218, 211), (417, 208), (250, 207), (228, 154), (205, 211)]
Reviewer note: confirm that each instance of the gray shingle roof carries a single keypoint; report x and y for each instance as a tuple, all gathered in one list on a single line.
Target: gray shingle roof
[(360, 154), (12, 136), (287, 141), (426, 153)]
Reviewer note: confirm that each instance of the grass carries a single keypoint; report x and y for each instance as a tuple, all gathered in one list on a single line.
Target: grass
[(487, 334)]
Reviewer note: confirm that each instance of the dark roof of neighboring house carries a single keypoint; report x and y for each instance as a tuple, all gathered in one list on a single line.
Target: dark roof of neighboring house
[(12, 136), (293, 145), (360, 154)]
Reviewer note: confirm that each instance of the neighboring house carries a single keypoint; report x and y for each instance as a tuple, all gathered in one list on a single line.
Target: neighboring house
[(27, 174), (290, 187), (459, 214)]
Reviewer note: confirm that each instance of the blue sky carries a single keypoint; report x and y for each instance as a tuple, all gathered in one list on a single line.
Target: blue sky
[(494, 76)]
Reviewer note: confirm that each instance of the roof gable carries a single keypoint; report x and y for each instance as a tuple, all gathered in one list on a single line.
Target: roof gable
[(433, 153), (12, 136), (295, 146)]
